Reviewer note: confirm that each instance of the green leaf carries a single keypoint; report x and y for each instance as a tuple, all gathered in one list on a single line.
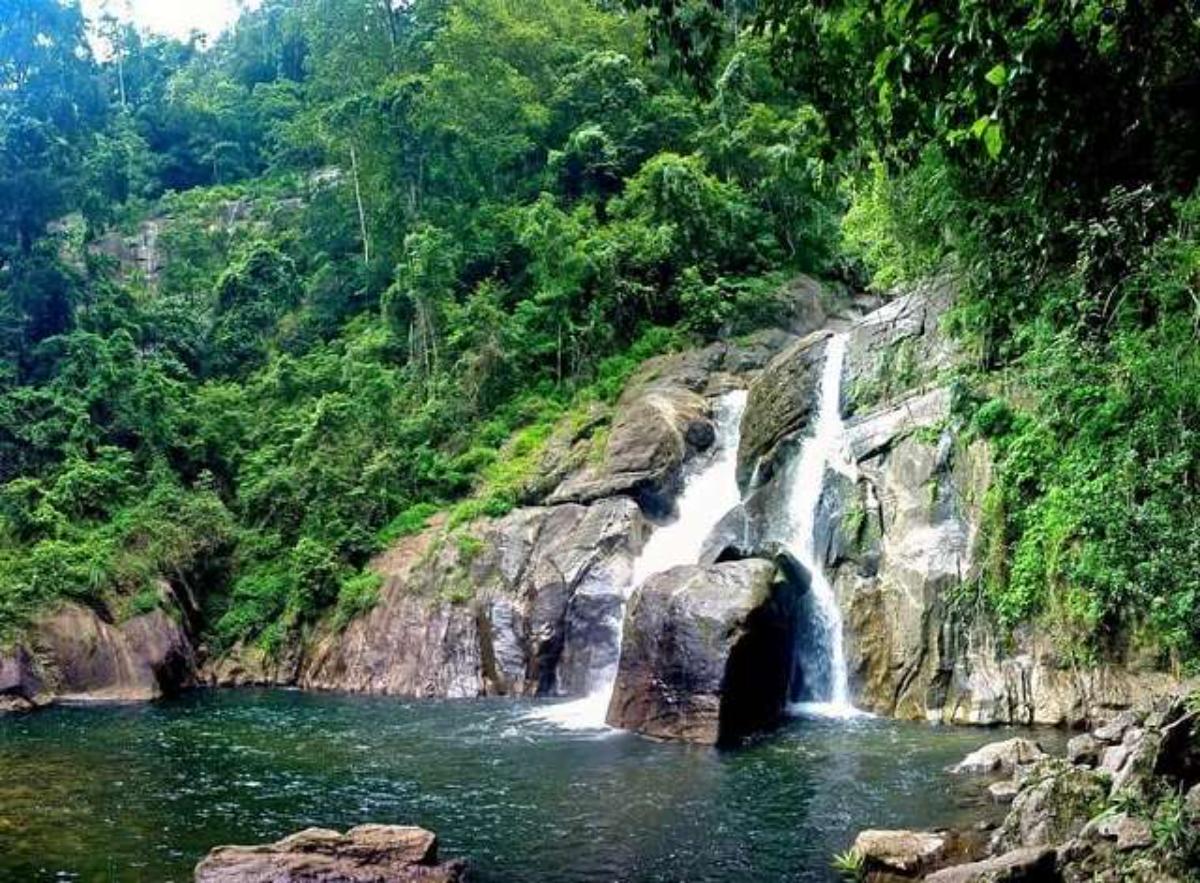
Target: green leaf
[(997, 75), (993, 140), (980, 126)]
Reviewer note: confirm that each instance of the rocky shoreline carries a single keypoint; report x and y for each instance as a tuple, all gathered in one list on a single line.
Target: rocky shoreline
[(1123, 805)]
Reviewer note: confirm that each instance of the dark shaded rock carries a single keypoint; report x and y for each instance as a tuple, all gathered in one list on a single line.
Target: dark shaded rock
[(1028, 865), (21, 687), (706, 653), (782, 402), (366, 854)]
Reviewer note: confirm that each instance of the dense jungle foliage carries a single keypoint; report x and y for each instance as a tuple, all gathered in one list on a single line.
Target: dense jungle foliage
[(386, 246)]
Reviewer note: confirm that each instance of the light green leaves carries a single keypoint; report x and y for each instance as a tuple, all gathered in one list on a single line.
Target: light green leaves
[(997, 76)]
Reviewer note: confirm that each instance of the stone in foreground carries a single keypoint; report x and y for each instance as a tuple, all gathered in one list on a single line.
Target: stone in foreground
[(707, 653), (1032, 865), (899, 853), (367, 854)]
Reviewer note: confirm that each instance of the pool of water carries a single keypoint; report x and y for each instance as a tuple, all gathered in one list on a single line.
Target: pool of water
[(140, 793)]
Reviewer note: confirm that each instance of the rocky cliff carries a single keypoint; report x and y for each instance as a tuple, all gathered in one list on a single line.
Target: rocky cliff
[(525, 604), (902, 541)]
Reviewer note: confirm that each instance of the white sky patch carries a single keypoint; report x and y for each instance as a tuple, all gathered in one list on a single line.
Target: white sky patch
[(176, 18)]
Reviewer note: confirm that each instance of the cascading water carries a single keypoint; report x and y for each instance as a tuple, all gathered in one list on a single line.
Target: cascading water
[(708, 494), (822, 660)]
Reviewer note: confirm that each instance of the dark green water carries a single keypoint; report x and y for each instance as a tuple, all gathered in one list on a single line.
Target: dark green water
[(141, 793)]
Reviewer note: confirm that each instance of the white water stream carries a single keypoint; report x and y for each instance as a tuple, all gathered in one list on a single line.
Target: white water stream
[(708, 494), (823, 658)]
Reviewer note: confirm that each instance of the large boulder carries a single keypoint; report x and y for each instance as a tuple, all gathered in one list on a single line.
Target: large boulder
[(366, 854), (87, 658), (899, 853), (1001, 757), (707, 653), (1053, 806)]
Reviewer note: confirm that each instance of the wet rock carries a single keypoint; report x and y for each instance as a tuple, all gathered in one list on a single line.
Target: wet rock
[(1027, 865), (1084, 749), (782, 402), (89, 659), (899, 853), (1003, 757), (1053, 806), (366, 854), (706, 653)]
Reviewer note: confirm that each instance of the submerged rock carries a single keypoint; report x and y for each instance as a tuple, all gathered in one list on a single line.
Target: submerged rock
[(366, 854), (707, 653)]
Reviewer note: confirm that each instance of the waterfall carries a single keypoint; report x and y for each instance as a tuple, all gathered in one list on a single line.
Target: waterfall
[(826, 688), (708, 494)]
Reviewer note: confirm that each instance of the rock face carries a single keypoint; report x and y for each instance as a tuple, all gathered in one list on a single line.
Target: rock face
[(75, 655), (1031, 865), (540, 587), (21, 687), (904, 539), (707, 653), (366, 854)]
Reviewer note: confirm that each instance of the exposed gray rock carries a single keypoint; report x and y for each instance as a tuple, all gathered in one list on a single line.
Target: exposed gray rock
[(1001, 757), (1084, 749), (366, 854), (1053, 806), (1028, 865), (707, 653), (901, 853), (1114, 730), (1128, 832), (1004, 791), (521, 604)]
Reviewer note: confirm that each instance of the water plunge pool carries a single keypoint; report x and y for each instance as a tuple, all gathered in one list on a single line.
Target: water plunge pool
[(140, 793)]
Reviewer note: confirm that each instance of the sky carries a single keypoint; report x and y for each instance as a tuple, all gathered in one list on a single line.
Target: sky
[(176, 18)]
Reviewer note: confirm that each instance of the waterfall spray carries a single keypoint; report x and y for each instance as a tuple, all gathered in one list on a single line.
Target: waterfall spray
[(708, 494), (823, 659)]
